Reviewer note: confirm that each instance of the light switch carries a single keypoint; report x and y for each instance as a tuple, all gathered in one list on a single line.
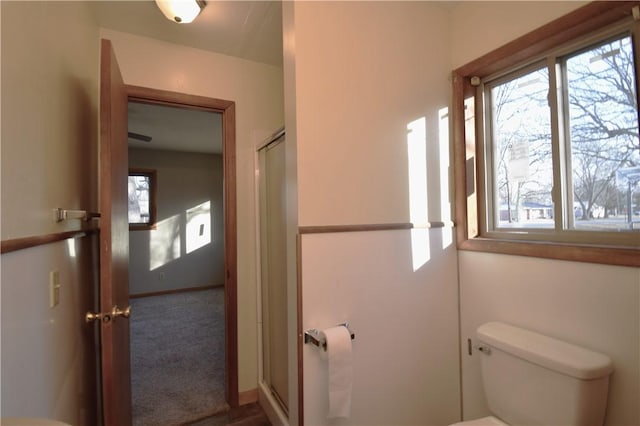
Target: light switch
[(54, 288)]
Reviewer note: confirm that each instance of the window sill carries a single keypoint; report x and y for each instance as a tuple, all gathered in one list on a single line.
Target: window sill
[(608, 255), (142, 227)]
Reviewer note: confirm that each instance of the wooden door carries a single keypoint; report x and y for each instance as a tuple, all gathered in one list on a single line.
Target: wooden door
[(114, 242)]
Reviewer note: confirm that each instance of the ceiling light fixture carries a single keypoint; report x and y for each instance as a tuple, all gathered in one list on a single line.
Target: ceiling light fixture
[(181, 11)]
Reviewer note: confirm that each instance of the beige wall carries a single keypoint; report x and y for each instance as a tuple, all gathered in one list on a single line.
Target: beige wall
[(257, 90), (360, 82), (162, 259), (478, 27), (358, 75), (595, 306), (49, 144), (50, 112)]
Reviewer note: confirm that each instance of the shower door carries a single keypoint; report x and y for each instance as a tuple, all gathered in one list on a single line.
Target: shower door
[(273, 269)]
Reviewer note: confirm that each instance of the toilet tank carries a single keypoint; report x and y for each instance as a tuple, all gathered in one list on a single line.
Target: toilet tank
[(532, 379)]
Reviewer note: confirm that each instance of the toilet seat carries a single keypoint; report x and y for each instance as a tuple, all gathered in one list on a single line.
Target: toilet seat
[(485, 421)]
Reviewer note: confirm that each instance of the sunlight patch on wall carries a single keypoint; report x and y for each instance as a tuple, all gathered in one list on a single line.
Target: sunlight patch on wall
[(445, 203), (71, 247), (418, 203), (164, 242), (198, 226)]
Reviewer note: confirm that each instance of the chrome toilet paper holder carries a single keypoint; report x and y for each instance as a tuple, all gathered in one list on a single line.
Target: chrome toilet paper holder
[(314, 336)]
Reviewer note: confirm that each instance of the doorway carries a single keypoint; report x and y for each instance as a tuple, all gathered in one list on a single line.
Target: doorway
[(189, 235)]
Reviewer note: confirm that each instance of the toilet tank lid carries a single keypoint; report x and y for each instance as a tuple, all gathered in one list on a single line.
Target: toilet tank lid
[(546, 351)]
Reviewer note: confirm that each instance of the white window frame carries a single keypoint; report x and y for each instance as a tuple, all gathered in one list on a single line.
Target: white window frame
[(152, 176)]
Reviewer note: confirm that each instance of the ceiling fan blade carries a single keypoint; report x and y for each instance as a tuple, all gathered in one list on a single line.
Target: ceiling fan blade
[(140, 137)]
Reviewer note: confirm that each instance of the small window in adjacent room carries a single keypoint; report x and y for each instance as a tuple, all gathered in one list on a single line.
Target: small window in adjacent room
[(555, 143), (142, 199)]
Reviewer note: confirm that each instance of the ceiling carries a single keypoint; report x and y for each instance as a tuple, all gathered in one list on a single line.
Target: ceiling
[(249, 30), (246, 29), (175, 129)]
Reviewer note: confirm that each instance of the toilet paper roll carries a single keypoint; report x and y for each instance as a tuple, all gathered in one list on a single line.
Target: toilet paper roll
[(340, 371)]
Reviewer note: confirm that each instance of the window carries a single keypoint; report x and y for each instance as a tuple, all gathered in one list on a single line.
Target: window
[(550, 166), (519, 144), (142, 199)]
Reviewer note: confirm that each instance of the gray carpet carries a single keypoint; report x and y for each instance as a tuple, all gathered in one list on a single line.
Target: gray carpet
[(177, 357)]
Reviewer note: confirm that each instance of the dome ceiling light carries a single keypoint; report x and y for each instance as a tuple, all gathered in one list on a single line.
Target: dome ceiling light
[(181, 11)]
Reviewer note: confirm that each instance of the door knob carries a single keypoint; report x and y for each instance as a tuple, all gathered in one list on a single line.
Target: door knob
[(96, 316), (107, 316), (117, 312)]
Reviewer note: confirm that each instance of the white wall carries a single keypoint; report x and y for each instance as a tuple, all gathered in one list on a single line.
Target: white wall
[(405, 354), (595, 306), (478, 27), (257, 90), (49, 157), (360, 74), (49, 358), (163, 258)]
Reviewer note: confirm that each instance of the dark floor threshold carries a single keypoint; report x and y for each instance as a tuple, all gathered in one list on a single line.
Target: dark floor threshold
[(245, 415)]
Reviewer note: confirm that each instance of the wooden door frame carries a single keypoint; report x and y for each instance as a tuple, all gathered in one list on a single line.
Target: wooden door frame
[(227, 109)]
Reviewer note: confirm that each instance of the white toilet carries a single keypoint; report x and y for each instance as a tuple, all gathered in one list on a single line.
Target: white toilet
[(531, 379)]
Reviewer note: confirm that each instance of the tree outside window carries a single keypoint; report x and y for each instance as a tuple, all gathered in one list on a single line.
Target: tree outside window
[(596, 167)]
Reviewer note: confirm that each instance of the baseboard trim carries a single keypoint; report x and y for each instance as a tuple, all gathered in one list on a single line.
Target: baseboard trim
[(174, 291), (248, 397)]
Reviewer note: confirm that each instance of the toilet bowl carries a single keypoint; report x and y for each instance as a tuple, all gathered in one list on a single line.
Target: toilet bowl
[(530, 378)]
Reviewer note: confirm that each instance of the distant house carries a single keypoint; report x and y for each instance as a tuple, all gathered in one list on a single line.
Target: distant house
[(527, 211), (534, 211)]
